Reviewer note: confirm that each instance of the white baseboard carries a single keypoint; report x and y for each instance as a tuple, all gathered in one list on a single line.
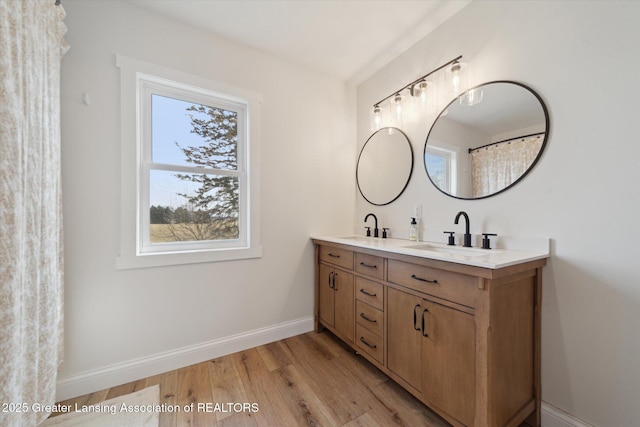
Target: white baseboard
[(554, 417), (122, 373)]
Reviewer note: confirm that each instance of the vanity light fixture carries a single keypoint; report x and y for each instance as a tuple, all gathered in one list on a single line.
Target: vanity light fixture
[(421, 92)]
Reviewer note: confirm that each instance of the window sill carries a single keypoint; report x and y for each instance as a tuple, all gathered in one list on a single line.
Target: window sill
[(181, 258)]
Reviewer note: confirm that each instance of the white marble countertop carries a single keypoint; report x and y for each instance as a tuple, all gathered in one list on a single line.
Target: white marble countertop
[(508, 251)]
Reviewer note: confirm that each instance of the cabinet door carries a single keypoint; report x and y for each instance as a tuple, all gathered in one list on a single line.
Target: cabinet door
[(327, 294), (448, 361), (344, 304), (404, 337)]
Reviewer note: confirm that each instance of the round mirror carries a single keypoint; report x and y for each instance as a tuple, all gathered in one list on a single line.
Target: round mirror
[(486, 140), (384, 166)]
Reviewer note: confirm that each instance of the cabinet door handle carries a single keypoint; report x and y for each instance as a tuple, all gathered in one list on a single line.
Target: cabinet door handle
[(415, 317), (333, 255), (364, 316), (367, 293), (364, 264), (413, 276), (368, 344), (331, 281), (335, 288), (424, 332)]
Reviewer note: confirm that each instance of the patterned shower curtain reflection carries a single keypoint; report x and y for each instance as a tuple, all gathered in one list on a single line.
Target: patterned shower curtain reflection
[(31, 48), (497, 166)]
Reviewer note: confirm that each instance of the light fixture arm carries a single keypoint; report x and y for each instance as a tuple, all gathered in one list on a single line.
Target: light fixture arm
[(416, 81)]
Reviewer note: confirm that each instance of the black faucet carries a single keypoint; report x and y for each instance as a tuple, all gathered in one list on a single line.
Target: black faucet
[(467, 235), (375, 228)]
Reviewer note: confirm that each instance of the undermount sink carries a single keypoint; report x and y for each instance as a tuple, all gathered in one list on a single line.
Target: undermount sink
[(451, 250)]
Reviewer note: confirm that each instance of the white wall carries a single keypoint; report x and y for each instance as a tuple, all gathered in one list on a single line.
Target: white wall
[(583, 59), (120, 322)]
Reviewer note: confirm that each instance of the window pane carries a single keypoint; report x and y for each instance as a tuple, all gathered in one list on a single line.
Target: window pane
[(437, 165), (192, 207), (188, 134)]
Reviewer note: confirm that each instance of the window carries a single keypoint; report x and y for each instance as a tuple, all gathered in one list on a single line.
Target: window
[(195, 187), (193, 180), (441, 164)]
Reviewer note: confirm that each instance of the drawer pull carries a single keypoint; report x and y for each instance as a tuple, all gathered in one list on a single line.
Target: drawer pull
[(368, 265), (367, 293), (415, 317), (367, 344), (364, 316), (413, 276), (424, 331), (333, 255)]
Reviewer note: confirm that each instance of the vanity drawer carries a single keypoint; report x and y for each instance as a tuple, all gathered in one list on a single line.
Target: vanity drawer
[(443, 284), (369, 265), (370, 292), (370, 343), (369, 317), (337, 256)]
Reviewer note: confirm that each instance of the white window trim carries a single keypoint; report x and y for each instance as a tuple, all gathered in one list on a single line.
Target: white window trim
[(130, 255)]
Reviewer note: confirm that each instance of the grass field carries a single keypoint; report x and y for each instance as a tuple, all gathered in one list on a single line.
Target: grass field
[(160, 233)]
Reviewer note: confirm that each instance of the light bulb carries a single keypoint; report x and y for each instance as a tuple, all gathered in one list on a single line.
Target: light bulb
[(376, 118), (396, 109), (457, 78), (423, 98)]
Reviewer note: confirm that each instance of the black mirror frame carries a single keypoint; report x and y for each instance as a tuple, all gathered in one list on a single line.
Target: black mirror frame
[(542, 147), (410, 171)]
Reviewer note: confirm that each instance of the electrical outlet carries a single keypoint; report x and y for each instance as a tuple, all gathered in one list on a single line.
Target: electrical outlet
[(417, 211)]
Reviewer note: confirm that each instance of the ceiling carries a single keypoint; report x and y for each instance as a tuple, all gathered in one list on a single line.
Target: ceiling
[(349, 39), (505, 107)]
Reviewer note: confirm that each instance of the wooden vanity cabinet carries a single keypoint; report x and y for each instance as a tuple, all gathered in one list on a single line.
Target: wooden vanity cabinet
[(404, 336), (336, 302), (449, 361), (370, 317), (432, 348), (464, 340)]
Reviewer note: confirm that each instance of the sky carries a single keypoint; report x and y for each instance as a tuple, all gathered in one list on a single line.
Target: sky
[(170, 123)]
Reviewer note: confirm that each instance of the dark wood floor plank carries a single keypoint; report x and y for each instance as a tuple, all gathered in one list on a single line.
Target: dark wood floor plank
[(226, 384), (364, 420), (405, 408), (275, 355), (240, 419), (314, 362), (168, 383), (194, 387), (298, 391), (127, 388), (259, 384)]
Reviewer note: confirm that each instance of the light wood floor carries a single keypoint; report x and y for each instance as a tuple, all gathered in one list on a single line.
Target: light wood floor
[(307, 380)]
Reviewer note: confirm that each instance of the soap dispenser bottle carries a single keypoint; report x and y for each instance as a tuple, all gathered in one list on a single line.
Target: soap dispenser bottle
[(413, 230)]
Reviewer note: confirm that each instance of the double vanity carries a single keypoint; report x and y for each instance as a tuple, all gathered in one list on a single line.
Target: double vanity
[(457, 327)]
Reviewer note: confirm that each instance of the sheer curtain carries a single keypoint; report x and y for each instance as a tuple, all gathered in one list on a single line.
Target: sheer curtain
[(498, 166), (31, 287)]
